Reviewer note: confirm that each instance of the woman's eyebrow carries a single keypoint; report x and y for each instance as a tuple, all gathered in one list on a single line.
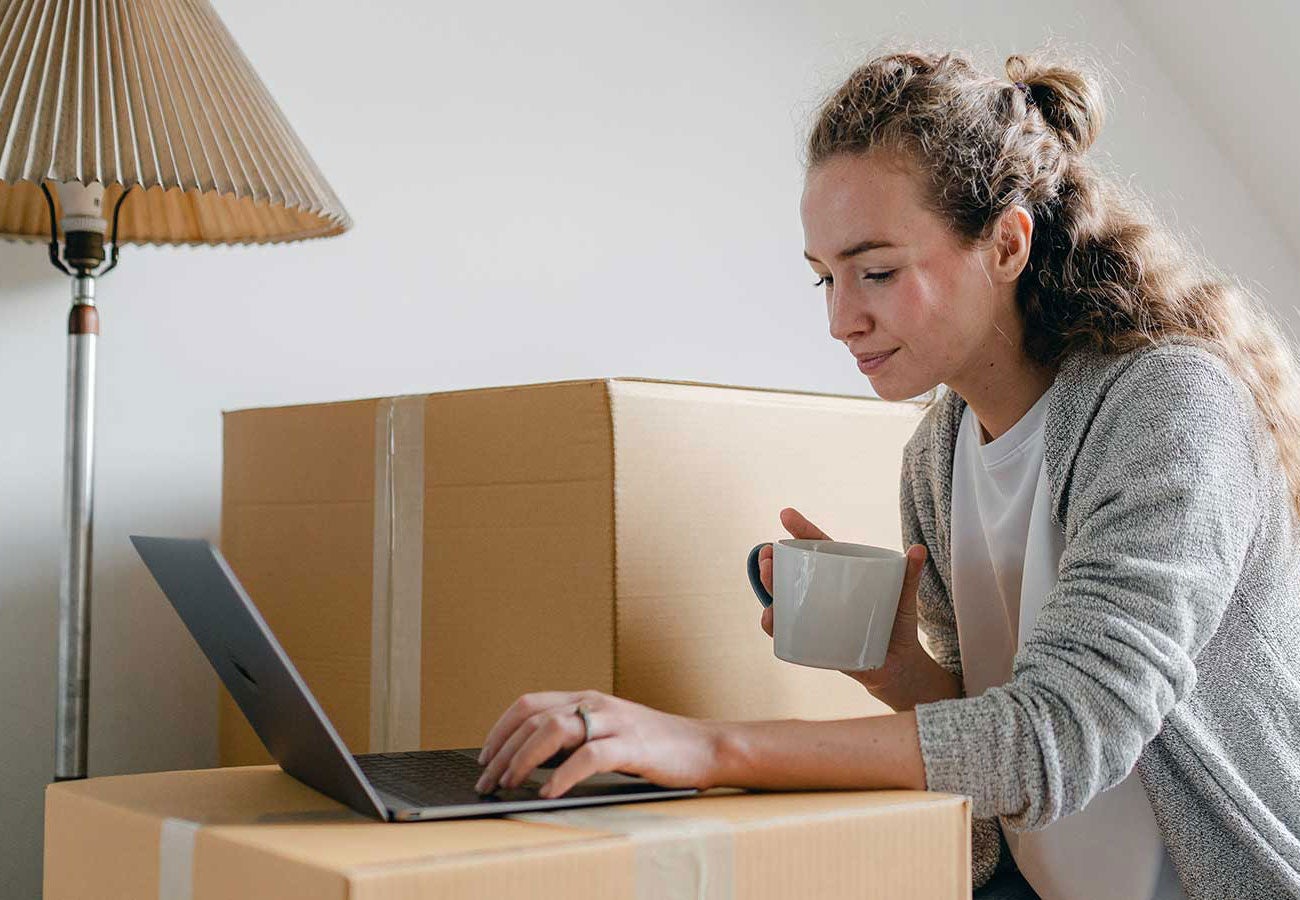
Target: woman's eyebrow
[(861, 247)]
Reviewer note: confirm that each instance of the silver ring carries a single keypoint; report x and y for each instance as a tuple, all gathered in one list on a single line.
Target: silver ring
[(585, 715)]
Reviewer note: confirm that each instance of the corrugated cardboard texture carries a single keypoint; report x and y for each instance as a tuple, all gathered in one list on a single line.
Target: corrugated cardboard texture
[(297, 526), (585, 534), (518, 564), (264, 835), (702, 474)]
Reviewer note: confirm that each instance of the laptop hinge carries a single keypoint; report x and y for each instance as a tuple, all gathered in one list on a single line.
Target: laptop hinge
[(393, 805)]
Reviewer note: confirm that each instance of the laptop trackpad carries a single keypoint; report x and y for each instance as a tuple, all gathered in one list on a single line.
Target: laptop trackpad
[(600, 779)]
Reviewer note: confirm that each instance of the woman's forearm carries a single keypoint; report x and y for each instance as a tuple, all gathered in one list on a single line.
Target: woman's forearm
[(919, 679), (793, 754)]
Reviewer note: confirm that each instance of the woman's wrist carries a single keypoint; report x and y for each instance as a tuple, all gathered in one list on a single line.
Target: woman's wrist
[(908, 679), (728, 743)]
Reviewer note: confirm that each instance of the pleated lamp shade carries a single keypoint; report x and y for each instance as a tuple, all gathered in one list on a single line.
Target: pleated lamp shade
[(154, 95)]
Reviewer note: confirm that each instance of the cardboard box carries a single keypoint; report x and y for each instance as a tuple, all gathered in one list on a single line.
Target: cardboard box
[(427, 559), (256, 833)]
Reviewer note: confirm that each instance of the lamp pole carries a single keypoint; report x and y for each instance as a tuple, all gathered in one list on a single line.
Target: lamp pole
[(78, 517), (83, 250)]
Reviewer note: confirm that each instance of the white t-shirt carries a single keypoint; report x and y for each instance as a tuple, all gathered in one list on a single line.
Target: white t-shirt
[(1005, 556)]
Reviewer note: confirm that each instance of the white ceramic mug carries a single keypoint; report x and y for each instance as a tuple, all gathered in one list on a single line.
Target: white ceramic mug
[(834, 602)]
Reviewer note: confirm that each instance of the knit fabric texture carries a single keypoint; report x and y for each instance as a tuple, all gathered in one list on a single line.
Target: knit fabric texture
[(1171, 641)]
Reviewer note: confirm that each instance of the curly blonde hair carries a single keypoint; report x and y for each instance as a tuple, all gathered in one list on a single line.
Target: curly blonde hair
[(1102, 271)]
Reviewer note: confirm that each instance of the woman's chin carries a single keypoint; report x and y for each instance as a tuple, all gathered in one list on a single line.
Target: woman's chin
[(885, 391), (888, 389)]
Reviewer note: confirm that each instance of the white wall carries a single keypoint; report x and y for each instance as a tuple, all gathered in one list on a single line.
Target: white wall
[(541, 192), (1239, 64)]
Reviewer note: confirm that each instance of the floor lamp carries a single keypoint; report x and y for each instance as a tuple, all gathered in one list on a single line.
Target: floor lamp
[(146, 108)]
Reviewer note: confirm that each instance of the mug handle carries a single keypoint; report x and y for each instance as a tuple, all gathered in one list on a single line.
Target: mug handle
[(755, 580)]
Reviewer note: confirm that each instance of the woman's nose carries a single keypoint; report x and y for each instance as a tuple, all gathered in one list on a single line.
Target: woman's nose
[(846, 319)]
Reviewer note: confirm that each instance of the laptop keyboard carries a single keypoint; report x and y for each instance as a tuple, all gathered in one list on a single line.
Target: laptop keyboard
[(434, 778), (447, 778)]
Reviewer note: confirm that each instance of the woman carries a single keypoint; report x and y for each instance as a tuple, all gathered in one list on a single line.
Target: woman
[(1100, 511)]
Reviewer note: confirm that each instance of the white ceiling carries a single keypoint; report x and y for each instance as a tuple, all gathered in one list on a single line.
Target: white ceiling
[(1235, 64)]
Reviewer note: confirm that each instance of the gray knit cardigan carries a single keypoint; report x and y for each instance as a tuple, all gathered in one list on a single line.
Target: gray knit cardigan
[(1171, 641)]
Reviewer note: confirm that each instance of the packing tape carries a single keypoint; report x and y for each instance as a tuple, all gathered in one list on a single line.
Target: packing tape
[(396, 590), (176, 859), (676, 858)]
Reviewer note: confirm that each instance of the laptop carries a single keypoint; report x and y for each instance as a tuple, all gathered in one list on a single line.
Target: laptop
[(395, 787)]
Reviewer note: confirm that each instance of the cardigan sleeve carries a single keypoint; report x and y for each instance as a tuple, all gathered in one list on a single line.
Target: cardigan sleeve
[(1159, 516), (937, 620), (917, 514)]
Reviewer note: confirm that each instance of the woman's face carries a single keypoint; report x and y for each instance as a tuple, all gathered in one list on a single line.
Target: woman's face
[(896, 279)]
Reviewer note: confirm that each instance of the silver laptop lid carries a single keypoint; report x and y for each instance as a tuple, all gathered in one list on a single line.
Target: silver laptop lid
[(201, 586)]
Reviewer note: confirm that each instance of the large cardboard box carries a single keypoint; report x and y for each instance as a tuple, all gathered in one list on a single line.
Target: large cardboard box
[(256, 834), (426, 559)]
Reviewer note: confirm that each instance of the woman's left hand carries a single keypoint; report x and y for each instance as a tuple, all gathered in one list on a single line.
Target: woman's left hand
[(670, 750)]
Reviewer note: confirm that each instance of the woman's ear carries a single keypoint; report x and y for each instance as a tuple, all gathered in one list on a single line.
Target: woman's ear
[(1011, 248)]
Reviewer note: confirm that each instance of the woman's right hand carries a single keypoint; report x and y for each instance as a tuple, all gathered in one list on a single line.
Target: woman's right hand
[(904, 643)]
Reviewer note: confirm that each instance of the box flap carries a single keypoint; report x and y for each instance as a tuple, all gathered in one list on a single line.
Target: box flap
[(257, 833)]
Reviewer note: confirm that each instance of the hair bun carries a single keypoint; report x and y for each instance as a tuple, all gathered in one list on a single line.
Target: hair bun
[(1069, 99)]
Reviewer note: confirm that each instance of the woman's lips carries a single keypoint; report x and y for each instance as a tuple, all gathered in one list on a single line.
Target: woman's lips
[(871, 364)]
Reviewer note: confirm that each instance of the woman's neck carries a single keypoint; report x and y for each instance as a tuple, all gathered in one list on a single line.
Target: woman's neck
[(1003, 394)]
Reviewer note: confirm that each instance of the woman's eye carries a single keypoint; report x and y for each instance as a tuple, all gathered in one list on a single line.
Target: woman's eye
[(827, 280)]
